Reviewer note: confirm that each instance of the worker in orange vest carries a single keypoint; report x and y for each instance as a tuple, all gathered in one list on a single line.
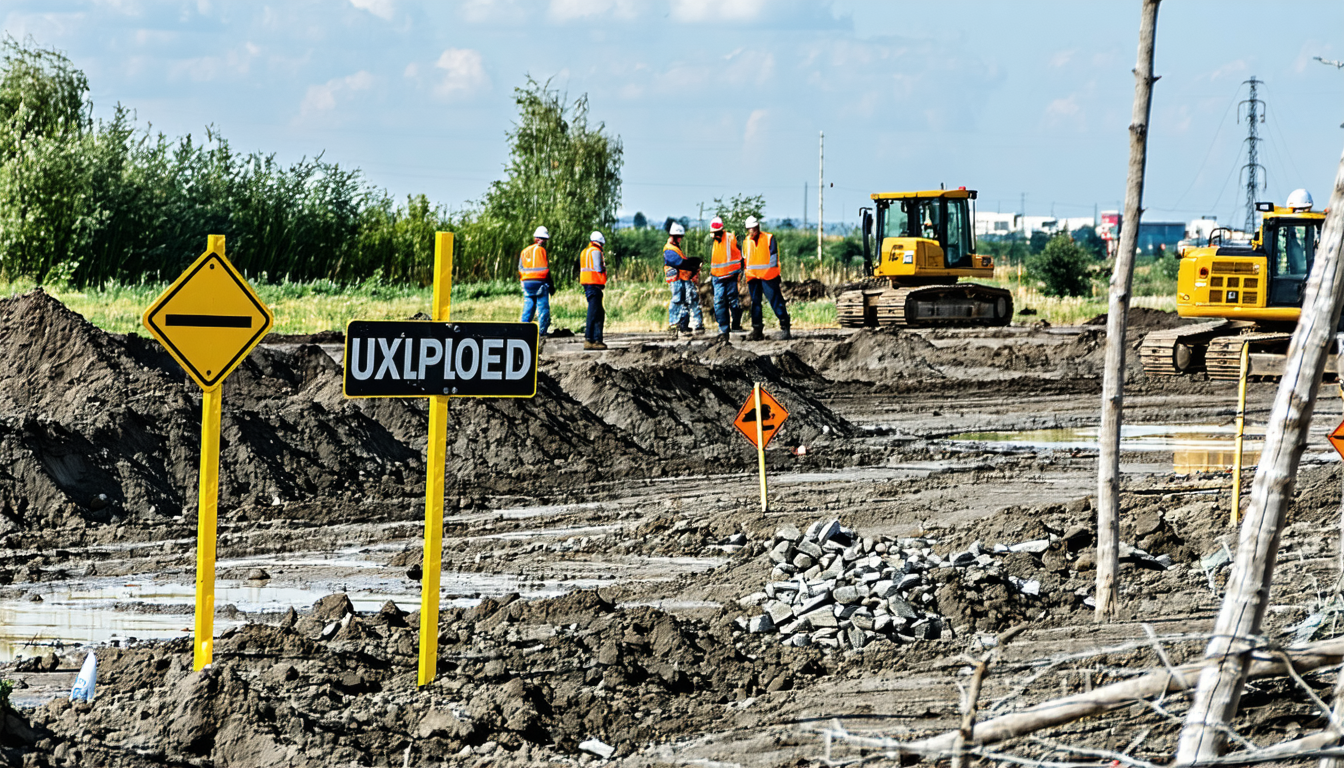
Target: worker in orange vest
[(725, 268), (761, 254), (593, 278), (683, 311), (535, 273)]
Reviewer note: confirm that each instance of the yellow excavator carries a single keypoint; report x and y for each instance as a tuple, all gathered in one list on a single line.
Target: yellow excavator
[(1254, 291), (925, 244)]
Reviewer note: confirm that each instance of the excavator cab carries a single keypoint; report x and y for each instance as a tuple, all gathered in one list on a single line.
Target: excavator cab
[(1291, 245)]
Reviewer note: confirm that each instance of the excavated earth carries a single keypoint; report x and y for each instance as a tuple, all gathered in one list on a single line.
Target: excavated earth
[(604, 545)]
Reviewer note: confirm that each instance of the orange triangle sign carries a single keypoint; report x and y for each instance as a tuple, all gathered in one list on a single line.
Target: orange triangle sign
[(773, 416), (1337, 439)]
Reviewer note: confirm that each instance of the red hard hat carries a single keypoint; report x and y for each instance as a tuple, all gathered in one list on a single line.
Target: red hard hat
[(716, 225)]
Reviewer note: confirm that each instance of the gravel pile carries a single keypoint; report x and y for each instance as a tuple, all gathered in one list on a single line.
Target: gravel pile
[(834, 589)]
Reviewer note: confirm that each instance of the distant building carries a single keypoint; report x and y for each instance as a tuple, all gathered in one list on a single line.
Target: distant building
[(1004, 224), (995, 224)]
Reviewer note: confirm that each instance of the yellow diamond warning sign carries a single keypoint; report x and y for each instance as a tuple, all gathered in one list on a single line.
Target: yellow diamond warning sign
[(209, 318)]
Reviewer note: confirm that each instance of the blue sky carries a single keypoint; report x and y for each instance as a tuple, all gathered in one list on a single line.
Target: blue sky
[(720, 97)]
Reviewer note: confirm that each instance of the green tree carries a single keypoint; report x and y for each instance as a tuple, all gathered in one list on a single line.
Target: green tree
[(562, 174), (1088, 239), (1064, 268), (641, 221), (1038, 241), (735, 210)]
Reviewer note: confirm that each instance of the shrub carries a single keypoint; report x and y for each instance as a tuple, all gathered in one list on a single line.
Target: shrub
[(1063, 267)]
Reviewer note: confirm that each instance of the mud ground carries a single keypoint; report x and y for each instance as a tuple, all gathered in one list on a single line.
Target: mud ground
[(598, 539)]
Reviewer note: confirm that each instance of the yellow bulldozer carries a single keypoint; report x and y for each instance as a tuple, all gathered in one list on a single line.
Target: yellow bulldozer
[(925, 244), (1255, 293)]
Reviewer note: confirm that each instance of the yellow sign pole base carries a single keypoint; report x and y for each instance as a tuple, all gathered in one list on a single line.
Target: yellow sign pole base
[(1241, 431), (432, 562), (205, 529), (760, 441)]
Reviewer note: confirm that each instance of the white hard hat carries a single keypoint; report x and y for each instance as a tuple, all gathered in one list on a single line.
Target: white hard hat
[(1300, 200), (752, 222), (542, 233), (716, 225), (597, 237), (676, 229)]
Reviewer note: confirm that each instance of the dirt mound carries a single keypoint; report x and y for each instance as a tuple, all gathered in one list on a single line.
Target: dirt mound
[(518, 682), (1145, 320), (873, 355), (680, 402), (98, 428)]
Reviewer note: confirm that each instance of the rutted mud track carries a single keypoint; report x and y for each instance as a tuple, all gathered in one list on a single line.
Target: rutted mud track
[(622, 480)]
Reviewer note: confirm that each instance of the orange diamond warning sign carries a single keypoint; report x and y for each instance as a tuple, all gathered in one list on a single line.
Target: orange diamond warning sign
[(1337, 439), (773, 416), (209, 318)]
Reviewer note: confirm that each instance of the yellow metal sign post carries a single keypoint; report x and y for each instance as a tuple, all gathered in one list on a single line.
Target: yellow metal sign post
[(1241, 431), (438, 448), (209, 319), (760, 441), (438, 359)]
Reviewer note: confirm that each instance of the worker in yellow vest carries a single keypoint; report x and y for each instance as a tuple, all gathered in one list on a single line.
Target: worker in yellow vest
[(683, 311), (761, 254), (535, 273), (725, 268), (593, 278)]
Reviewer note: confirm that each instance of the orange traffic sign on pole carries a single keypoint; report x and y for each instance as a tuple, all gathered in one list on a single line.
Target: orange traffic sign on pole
[(1337, 439), (772, 418)]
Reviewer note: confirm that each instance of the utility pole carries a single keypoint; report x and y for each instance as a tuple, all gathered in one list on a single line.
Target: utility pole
[(1252, 166), (1117, 313), (804, 206), (821, 188)]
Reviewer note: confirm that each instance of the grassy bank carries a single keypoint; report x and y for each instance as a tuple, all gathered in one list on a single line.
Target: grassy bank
[(312, 306)]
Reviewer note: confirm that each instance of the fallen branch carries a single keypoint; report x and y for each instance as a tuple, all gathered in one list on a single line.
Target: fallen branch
[(1048, 714)]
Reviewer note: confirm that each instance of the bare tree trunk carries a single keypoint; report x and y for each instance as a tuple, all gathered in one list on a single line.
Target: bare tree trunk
[(1228, 654), (1117, 313)]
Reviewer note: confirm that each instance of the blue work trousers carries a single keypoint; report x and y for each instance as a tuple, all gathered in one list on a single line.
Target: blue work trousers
[(727, 303), (537, 297), (684, 308), (597, 316), (773, 295)]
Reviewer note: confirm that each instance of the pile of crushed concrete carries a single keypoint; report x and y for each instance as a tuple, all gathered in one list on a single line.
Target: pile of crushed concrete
[(834, 589)]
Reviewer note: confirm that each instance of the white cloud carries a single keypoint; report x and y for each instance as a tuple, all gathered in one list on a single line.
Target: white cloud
[(1062, 58), (717, 10), (412, 70), (322, 98), (1062, 107), (1235, 68), (755, 124), (485, 11), (383, 9), (570, 10), (464, 72)]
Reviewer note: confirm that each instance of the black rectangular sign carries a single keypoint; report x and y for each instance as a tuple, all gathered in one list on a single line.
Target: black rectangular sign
[(419, 358)]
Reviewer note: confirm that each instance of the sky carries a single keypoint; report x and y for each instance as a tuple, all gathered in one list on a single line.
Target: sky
[(1027, 102)]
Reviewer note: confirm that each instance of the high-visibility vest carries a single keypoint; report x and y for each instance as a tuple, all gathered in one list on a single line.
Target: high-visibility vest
[(592, 270), (726, 261), (761, 263), (672, 274), (532, 263)]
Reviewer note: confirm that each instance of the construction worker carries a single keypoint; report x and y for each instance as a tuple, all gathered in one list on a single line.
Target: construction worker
[(593, 278), (725, 268), (683, 311), (535, 273), (760, 252)]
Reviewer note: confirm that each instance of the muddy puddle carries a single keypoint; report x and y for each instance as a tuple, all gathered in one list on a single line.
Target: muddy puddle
[(1194, 447)]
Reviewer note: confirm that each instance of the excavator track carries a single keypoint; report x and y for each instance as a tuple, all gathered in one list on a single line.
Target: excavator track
[(1223, 358), (856, 309), (933, 306), (1178, 351)]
